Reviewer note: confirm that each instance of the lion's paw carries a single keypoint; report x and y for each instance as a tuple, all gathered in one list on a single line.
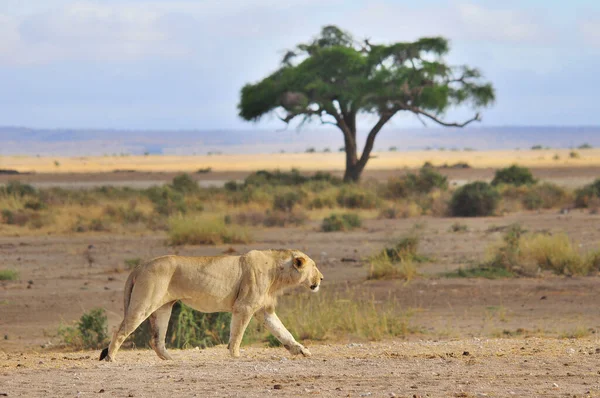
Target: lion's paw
[(300, 349)]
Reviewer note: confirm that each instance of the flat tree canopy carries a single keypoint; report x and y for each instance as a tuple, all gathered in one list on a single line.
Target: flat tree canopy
[(334, 78)]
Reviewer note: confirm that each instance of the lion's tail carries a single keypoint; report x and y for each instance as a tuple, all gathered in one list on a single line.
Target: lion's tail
[(126, 298)]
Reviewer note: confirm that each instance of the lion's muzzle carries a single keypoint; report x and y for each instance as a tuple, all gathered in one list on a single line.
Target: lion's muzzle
[(314, 288)]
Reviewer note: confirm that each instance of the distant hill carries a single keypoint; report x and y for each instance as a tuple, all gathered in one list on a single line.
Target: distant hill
[(80, 142)]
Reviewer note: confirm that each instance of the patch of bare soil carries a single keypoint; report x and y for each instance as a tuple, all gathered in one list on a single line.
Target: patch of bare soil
[(451, 316), (464, 368)]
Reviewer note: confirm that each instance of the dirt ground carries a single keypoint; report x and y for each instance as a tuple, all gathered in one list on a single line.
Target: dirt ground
[(474, 337)]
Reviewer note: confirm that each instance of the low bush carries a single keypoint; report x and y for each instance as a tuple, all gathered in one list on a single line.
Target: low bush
[(474, 200), (545, 196), (356, 197), (341, 222), (514, 175), (188, 328), (185, 184), (19, 189), (166, 200), (382, 266), (90, 332), (9, 275), (284, 218), (425, 181), (528, 253), (587, 194), (203, 230)]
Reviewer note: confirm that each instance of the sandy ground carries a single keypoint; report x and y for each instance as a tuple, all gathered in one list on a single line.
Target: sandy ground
[(465, 368), (452, 316), (301, 161)]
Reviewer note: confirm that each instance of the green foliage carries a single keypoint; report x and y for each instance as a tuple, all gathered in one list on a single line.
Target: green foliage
[(474, 200), (585, 146), (425, 181), (407, 248), (335, 77), (588, 193), (188, 328), (19, 189), (343, 222), (545, 196), (131, 263), (184, 184), (166, 200), (9, 275), (354, 196), (286, 201), (91, 332), (514, 175)]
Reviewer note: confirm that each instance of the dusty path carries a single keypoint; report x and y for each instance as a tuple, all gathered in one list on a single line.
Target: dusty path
[(465, 368)]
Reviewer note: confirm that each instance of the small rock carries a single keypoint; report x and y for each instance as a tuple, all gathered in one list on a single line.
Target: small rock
[(110, 278), (554, 385), (338, 389), (106, 288), (392, 395), (543, 298), (366, 394), (466, 353), (30, 282), (101, 391), (597, 350), (130, 394), (3, 394), (277, 387)]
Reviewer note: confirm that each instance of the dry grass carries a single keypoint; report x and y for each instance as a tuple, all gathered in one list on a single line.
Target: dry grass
[(302, 161), (200, 229), (341, 315), (556, 253)]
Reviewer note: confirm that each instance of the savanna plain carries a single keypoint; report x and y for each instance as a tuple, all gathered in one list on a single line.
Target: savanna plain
[(450, 275)]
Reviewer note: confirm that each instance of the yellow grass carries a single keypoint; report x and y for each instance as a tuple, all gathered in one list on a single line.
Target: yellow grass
[(302, 161)]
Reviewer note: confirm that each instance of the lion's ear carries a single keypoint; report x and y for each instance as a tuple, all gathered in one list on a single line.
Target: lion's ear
[(299, 262)]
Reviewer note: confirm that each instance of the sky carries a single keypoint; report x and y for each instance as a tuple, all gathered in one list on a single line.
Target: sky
[(130, 64)]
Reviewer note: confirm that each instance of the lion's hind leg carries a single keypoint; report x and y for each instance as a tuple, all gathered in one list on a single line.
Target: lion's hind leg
[(159, 322)]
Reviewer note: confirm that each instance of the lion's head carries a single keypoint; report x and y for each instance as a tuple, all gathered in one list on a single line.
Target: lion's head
[(308, 273)]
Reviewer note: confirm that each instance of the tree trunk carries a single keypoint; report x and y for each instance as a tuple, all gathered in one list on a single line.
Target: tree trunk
[(353, 166), (353, 172)]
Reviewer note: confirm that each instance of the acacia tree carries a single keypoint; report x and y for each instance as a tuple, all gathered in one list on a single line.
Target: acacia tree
[(335, 78)]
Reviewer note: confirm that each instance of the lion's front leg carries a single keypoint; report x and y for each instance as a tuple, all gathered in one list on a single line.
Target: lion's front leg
[(240, 318), (276, 327)]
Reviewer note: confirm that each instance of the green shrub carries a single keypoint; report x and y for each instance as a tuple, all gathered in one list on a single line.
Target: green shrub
[(185, 184), (356, 197), (9, 275), (285, 201), (17, 188), (474, 200), (514, 175), (263, 177), (188, 328), (18, 217), (166, 200), (91, 332), (589, 192), (425, 181), (343, 222), (545, 196), (407, 248)]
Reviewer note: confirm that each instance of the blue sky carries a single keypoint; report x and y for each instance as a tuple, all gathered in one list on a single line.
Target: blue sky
[(180, 64)]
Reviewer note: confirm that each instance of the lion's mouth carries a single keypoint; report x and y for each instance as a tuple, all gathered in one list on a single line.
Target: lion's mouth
[(314, 288)]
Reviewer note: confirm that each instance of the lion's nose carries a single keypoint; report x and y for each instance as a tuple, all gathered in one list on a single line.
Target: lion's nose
[(313, 287)]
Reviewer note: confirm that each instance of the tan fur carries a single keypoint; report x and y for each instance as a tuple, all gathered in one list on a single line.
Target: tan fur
[(244, 285)]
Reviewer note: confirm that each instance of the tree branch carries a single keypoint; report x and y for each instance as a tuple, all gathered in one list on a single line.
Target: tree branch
[(441, 122), (364, 158)]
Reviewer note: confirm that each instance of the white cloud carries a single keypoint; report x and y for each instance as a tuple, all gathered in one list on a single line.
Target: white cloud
[(590, 31), (85, 31)]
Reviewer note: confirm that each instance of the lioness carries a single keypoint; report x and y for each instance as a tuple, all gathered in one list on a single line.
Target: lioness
[(243, 285)]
